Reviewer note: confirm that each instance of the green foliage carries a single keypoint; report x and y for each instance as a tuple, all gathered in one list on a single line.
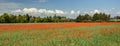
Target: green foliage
[(117, 17), (97, 17), (101, 17), (26, 18), (83, 18), (79, 18), (5, 18)]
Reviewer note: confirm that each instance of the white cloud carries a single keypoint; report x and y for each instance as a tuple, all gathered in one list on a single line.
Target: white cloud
[(78, 12), (86, 12), (96, 11), (113, 8), (50, 11), (91, 12), (42, 11), (17, 10), (107, 12), (118, 13), (59, 12), (27, 10), (35, 10), (72, 12)]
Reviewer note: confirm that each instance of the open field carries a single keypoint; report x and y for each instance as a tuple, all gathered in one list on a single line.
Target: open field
[(60, 34)]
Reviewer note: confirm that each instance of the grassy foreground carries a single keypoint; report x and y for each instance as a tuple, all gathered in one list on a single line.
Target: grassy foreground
[(107, 35)]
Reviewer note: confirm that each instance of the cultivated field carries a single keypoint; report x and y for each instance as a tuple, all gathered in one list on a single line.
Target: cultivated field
[(60, 34)]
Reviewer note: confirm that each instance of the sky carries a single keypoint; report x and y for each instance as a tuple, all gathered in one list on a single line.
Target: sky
[(68, 8)]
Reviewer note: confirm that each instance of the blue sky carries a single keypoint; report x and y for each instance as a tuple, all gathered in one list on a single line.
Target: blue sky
[(61, 6)]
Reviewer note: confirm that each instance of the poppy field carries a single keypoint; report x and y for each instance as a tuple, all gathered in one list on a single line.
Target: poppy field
[(60, 34)]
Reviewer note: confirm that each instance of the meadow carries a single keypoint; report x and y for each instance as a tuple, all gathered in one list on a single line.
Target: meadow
[(60, 34)]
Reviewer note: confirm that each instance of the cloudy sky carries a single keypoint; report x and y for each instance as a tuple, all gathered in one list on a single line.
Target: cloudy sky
[(69, 8)]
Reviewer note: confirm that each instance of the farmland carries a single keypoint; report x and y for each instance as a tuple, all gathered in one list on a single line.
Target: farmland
[(60, 34)]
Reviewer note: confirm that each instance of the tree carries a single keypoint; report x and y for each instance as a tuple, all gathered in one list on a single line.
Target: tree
[(32, 19), (5, 18), (19, 19), (87, 17), (37, 19), (79, 18), (12, 18), (101, 17), (96, 17), (26, 18), (117, 17)]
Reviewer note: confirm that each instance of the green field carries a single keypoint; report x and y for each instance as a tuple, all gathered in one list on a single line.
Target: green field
[(108, 35)]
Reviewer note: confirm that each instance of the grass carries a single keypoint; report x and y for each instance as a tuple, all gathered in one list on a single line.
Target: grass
[(108, 35)]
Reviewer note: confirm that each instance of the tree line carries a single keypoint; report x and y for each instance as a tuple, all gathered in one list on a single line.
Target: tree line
[(97, 17), (26, 18)]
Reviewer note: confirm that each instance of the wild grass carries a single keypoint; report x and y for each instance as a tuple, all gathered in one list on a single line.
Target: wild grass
[(107, 35)]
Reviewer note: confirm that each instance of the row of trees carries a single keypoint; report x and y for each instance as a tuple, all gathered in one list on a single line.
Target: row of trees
[(97, 17), (9, 18), (117, 17)]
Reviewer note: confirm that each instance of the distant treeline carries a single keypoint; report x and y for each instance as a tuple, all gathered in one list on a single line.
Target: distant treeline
[(10, 18), (97, 17)]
